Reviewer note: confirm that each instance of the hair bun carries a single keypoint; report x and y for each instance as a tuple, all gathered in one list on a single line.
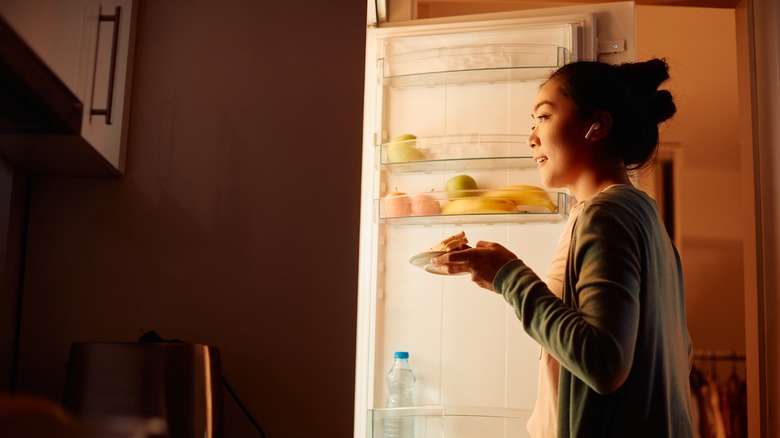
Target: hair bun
[(662, 106), (643, 79)]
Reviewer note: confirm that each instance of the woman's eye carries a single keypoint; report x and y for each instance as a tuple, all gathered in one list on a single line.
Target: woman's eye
[(539, 119)]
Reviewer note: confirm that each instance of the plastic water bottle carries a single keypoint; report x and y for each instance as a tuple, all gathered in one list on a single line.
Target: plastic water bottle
[(400, 383)]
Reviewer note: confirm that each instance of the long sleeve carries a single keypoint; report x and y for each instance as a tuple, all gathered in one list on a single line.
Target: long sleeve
[(619, 332), (596, 341)]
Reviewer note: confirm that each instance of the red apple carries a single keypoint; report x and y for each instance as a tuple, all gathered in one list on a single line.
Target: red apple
[(424, 205), (396, 204)]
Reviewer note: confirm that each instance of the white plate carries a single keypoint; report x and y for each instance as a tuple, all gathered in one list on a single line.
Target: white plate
[(423, 261)]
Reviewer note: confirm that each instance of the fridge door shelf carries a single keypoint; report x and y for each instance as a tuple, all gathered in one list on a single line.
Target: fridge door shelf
[(440, 421), (474, 207), (456, 152), (482, 63)]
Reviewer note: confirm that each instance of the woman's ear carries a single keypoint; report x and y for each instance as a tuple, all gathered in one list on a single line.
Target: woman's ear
[(600, 126)]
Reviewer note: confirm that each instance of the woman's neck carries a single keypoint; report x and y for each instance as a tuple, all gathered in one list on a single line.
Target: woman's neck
[(590, 184)]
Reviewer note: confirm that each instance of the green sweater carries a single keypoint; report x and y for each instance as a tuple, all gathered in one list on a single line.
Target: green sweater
[(619, 333)]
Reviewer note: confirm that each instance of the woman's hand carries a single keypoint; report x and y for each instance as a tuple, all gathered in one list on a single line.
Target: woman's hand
[(482, 262)]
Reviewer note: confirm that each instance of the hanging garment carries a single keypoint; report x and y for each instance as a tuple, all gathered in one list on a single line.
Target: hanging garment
[(695, 413), (734, 406), (710, 420)]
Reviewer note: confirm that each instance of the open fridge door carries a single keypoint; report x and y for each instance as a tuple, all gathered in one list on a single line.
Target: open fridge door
[(445, 98), (376, 12)]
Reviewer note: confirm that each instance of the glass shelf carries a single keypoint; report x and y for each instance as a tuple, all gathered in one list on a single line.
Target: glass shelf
[(456, 152), (473, 207), (470, 64), (434, 421)]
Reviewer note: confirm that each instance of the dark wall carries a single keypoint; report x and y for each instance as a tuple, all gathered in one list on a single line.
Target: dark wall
[(236, 224), (13, 209)]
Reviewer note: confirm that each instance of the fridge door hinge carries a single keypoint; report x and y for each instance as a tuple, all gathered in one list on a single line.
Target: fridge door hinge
[(612, 46)]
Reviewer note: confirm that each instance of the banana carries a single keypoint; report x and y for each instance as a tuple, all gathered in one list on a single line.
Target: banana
[(527, 198), (478, 205)]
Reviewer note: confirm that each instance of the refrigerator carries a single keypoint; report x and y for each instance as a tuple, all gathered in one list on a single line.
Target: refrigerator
[(445, 98)]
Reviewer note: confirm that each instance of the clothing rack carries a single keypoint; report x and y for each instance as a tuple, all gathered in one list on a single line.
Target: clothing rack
[(721, 403), (718, 355)]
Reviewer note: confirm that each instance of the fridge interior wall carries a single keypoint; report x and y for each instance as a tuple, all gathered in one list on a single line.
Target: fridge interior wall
[(466, 346)]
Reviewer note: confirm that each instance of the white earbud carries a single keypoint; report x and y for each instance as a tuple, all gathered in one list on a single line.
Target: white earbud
[(593, 127)]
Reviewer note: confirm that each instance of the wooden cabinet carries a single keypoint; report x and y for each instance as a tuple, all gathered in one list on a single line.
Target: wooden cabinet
[(88, 46)]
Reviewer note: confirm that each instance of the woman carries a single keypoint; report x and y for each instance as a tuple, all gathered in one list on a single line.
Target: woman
[(618, 330)]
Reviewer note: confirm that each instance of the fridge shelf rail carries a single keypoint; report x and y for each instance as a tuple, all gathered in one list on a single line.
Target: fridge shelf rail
[(484, 63), (521, 205), (439, 420), (456, 152)]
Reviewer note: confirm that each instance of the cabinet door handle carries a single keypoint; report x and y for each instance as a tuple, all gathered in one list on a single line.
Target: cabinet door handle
[(112, 66)]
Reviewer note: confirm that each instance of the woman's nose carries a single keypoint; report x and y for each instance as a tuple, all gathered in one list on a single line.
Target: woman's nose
[(533, 140)]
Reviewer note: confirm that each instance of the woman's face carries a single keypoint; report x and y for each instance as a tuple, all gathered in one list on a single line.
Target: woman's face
[(560, 149)]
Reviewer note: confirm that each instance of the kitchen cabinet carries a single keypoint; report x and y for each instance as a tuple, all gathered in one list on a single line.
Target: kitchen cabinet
[(88, 47)]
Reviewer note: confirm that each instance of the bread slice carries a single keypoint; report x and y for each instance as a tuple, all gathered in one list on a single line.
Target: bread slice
[(452, 243)]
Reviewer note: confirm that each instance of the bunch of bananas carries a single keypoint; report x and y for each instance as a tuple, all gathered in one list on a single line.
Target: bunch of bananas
[(508, 199)]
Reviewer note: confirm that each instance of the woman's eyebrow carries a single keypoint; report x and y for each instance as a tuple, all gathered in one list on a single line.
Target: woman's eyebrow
[(542, 103)]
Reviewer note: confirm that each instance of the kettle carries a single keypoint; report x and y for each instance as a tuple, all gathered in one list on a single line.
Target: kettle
[(175, 385)]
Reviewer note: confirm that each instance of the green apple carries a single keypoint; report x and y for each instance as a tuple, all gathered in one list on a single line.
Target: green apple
[(403, 137), (458, 185), (403, 149)]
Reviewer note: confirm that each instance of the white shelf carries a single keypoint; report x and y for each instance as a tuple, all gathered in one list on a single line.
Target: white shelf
[(434, 421), (457, 152), (470, 64), (401, 211)]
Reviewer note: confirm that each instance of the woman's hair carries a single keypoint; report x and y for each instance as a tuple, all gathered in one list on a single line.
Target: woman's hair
[(629, 93)]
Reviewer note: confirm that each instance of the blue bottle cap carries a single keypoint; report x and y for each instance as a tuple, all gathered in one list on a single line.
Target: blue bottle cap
[(401, 355)]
